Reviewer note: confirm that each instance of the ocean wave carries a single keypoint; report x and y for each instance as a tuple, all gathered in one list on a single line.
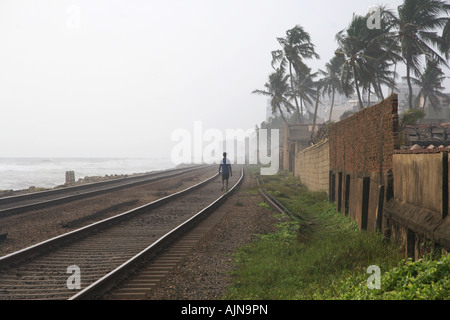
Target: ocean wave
[(22, 173)]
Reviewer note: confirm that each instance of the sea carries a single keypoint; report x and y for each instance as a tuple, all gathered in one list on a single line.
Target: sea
[(22, 173)]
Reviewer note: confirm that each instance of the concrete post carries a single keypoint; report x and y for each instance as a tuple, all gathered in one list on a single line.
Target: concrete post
[(70, 177)]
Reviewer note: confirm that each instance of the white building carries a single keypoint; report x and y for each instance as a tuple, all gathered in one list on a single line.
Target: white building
[(403, 93), (341, 105), (440, 115)]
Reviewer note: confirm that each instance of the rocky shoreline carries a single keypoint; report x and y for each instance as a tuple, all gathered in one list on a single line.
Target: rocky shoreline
[(87, 179)]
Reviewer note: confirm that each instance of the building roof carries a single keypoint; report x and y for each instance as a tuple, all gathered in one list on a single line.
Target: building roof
[(423, 149)]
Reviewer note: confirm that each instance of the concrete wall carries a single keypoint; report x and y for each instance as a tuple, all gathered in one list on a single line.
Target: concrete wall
[(419, 179), (403, 194), (417, 214), (296, 137), (312, 165)]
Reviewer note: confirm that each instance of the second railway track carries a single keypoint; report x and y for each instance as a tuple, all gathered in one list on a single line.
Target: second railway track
[(38, 224), (43, 271), (43, 199)]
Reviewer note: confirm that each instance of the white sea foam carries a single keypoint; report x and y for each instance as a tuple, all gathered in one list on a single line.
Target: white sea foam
[(21, 173)]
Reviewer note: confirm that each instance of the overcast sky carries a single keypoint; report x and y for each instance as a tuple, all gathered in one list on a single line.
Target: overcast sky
[(116, 78)]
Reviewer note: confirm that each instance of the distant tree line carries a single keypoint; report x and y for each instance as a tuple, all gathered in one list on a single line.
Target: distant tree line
[(365, 61)]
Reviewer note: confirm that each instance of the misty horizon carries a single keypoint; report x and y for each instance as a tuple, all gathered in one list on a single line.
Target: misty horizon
[(101, 79)]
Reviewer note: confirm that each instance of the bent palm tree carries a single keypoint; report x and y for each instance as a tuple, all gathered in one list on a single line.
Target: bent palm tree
[(416, 26), (277, 88), (305, 87), (319, 87), (445, 47), (430, 83), (331, 81), (352, 42), (381, 54), (296, 47), (368, 54)]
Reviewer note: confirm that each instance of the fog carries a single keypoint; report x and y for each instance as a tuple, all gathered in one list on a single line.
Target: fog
[(116, 78)]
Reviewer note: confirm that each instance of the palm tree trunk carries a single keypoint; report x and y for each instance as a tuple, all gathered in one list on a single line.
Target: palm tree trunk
[(332, 104), (424, 102), (315, 115), (380, 91), (393, 77), (357, 87), (408, 78), (282, 115), (301, 106), (293, 89)]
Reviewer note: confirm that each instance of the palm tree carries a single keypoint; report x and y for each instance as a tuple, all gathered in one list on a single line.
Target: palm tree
[(296, 47), (368, 54), (319, 87), (331, 81), (277, 88), (430, 83), (306, 88), (416, 27), (381, 54), (352, 42), (445, 48)]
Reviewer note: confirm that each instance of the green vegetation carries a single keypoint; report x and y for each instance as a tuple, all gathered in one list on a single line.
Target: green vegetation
[(263, 205), (322, 254), (424, 279)]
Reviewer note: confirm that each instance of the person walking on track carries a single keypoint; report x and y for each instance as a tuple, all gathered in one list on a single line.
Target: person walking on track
[(225, 169)]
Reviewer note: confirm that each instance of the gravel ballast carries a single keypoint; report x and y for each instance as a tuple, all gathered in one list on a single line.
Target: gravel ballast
[(206, 273), (28, 228)]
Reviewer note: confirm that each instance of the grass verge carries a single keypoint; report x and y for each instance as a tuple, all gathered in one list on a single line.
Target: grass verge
[(322, 254)]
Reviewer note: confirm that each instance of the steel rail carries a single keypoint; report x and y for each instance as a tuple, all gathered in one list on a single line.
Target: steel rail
[(76, 192), (272, 201), (47, 245), (106, 283)]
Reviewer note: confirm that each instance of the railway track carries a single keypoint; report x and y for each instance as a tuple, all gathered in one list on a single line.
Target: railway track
[(272, 201), (139, 284), (43, 199), (85, 263)]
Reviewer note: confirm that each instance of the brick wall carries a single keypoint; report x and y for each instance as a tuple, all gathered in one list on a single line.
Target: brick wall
[(403, 194), (365, 141), (312, 165), (361, 151)]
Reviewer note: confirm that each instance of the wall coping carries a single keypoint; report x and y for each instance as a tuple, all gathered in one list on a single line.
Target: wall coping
[(416, 149), (423, 221), (318, 144)]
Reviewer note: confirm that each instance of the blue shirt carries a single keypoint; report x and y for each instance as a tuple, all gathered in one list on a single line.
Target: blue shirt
[(225, 163)]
